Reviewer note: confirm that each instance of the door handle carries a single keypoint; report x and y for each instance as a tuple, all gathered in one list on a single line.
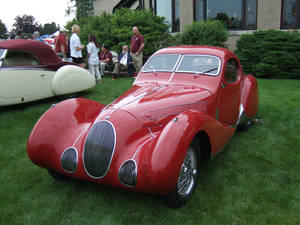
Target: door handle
[(42, 75)]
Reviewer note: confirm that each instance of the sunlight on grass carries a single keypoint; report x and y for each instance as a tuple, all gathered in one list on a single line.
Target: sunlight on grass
[(254, 180)]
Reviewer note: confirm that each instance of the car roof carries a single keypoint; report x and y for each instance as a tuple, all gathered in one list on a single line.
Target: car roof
[(195, 49), (42, 51)]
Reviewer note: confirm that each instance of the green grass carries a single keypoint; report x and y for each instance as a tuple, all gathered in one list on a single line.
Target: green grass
[(254, 180)]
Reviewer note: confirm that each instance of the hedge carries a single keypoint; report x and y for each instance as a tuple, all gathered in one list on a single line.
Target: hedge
[(270, 54), (210, 32)]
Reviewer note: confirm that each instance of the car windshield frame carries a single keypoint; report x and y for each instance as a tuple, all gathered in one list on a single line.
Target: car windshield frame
[(149, 70), (3, 52), (203, 72)]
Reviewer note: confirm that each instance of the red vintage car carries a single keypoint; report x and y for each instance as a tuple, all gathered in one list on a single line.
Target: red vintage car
[(182, 109)]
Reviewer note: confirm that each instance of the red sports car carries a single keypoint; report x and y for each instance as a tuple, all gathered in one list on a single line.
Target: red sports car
[(182, 109)]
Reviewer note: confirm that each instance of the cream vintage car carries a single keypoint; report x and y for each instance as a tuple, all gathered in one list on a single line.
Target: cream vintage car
[(30, 70)]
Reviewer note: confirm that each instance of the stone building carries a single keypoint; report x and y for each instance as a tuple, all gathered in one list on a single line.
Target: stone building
[(240, 16)]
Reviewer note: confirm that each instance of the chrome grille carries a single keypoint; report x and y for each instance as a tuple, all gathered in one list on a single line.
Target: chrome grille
[(99, 148)]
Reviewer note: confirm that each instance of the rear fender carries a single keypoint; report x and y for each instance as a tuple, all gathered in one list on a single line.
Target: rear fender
[(164, 162), (71, 79), (59, 128)]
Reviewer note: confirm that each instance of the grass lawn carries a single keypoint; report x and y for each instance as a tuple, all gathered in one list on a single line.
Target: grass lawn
[(255, 180)]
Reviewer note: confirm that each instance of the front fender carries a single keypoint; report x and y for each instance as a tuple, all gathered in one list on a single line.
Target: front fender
[(164, 162), (59, 128), (71, 79)]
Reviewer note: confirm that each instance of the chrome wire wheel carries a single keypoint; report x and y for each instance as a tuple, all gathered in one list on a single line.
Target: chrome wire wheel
[(188, 177), (188, 172)]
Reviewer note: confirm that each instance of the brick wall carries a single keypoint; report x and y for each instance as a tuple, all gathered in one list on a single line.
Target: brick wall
[(104, 5)]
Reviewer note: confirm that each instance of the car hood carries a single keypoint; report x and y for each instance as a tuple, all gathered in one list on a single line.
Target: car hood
[(157, 103)]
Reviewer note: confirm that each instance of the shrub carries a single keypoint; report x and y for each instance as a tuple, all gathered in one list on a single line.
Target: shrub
[(270, 54), (115, 30), (210, 32)]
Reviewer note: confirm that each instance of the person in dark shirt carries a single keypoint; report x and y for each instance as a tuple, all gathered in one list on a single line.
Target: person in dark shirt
[(105, 57), (136, 50)]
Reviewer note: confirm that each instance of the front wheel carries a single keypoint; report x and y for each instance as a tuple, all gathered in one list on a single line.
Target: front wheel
[(188, 177)]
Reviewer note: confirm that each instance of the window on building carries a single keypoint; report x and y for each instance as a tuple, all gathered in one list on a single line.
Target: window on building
[(290, 14), (170, 9), (236, 14)]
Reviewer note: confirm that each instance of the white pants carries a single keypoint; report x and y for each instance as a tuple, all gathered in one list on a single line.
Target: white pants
[(102, 68), (94, 69)]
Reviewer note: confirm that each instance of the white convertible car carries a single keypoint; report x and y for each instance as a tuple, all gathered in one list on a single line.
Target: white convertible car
[(30, 70)]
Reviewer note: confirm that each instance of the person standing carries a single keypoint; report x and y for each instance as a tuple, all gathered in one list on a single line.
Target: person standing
[(92, 57), (60, 44), (104, 57), (136, 50), (76, 46)]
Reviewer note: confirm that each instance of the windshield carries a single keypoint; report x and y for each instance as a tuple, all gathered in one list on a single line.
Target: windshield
[(205, 64), (210, 65), (161, 63)]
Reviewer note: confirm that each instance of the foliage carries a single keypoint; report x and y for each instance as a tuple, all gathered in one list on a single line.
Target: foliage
[(254, 180), (26, 24), (230, 23), (82, 8), (3, 31), (210, 32), (116, 30), (49, 28), (270, 54)]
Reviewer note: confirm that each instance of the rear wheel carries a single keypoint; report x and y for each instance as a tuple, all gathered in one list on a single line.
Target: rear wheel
[(188, 177), (57, 176)]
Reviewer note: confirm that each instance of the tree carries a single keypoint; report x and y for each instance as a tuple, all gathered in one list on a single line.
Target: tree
[(83, 8), (49, 28), (26, 24), (3, 31)]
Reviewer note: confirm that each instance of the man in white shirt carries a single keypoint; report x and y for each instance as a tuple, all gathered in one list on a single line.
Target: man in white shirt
[(125, 62)]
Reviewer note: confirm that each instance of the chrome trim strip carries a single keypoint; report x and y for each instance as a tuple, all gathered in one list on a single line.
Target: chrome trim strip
[(115, 141), (80, 136), (149, 139), (24, 68)]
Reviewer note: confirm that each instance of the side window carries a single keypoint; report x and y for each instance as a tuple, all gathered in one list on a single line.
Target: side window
[(232, 71), (17, 58)]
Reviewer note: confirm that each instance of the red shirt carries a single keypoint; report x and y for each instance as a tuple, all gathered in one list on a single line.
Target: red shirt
[(60, 41), (106, 55), (136, 42)]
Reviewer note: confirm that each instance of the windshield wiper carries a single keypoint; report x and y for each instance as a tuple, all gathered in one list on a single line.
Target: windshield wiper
[(152, 69), (205, 72)]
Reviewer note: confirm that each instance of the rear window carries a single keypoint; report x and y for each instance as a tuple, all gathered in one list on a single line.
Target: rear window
[(18, 58)]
